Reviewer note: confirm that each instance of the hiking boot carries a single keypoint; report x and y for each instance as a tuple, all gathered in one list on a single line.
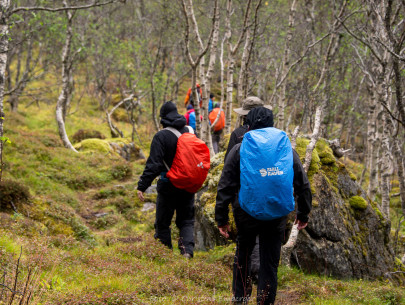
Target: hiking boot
[(187, 255)]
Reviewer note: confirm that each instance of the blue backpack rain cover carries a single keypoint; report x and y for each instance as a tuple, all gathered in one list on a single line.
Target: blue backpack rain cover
[(266, 174)]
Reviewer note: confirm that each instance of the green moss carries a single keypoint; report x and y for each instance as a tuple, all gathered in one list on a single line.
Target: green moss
[(325, 152), (97, 145), (352, 176), (358, 203)]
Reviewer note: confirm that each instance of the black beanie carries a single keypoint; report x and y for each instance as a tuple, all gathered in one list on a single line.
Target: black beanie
[(259, 117), (170, 117), (167, 107)]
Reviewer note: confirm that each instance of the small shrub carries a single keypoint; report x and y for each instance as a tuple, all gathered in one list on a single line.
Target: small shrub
[(84, 134), (109, 193), (105, 222), (122, 204), (121, 172), (51, 140), (12, 192)]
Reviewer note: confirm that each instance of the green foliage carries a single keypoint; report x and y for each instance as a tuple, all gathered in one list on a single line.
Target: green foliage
[(121, 171), (358, 203)]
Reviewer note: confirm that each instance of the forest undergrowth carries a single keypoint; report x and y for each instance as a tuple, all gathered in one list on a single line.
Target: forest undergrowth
[(77, 234)]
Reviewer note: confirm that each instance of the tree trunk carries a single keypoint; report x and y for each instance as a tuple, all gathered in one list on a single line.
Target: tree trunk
[(315, 135), (4, 43), (285, 65), (229, 92), (401, 172), (385, 166), (63, 99)]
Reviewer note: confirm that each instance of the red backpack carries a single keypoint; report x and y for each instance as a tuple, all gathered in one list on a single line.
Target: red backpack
[(221, 121), (190, 164)]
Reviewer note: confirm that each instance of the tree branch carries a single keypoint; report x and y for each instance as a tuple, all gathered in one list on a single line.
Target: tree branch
[(95, 3)]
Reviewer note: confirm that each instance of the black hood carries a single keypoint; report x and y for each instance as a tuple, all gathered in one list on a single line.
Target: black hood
[(170, 117), (259, 117)]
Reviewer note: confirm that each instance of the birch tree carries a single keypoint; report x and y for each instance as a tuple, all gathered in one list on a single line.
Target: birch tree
[(285, 65), (333, 45), (4, 42), (188, 12), (232, 50)]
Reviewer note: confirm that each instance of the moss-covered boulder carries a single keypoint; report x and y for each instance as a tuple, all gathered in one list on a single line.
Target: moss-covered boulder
[(114, 147), (347, 235)]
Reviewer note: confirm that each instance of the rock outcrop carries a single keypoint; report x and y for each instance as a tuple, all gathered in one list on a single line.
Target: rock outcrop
[(347, 236), (118, 146)]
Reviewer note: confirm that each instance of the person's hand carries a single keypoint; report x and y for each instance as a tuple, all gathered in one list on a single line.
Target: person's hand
[(140, 196), (300, 224), (224, 230)]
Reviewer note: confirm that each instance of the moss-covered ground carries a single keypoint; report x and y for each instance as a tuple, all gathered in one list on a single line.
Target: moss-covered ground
[(84, 239)]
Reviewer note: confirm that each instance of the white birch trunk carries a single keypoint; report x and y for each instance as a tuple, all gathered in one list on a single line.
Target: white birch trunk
[(385, 166), (315, 136), (400, 171), (372, 141), (4, 43), (63, 99), (242, 72), (285, 67)]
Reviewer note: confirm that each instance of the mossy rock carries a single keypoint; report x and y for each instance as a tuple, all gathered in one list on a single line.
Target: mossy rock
[(325, 152), (301, 148), (96, 145), (358, 203)]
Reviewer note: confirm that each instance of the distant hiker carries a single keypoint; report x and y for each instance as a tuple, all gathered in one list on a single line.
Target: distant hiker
[(190, 116), (264, 172), (182, 171), (237, 135), (218, 127), (189, 96), (211, 103)]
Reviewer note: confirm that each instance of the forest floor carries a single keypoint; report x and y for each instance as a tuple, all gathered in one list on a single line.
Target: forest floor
[(84, 237)]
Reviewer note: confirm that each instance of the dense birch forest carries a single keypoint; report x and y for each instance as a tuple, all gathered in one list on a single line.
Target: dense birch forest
[(332, 71)]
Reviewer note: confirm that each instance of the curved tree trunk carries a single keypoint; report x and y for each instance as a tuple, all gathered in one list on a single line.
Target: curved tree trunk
[(63, 99)]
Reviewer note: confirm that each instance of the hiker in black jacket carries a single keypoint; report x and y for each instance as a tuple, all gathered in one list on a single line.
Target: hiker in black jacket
[(170, 198), (237, 135), (271, 233)]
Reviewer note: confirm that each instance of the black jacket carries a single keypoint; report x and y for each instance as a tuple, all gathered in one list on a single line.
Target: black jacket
[(236, 137), (229, 185), (163, 147)]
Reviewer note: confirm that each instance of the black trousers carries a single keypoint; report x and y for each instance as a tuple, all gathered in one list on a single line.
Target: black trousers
[(169, 201), (271, 235), (216, 138)]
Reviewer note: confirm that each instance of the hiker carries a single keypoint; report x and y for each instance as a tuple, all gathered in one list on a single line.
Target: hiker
[(243, 187), (218, 127), (190, 115), (211, 103), (163, 152), (189, 96), (237, 135)]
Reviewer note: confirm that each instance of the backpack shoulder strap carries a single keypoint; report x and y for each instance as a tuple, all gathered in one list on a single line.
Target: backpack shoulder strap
[(178, 133), (190, 129), (174, 130)]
